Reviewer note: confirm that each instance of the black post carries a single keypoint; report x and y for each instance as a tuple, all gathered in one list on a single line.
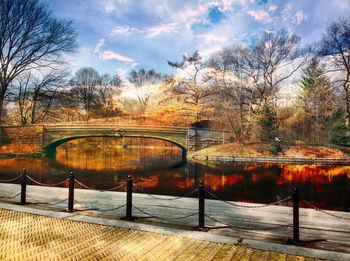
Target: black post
[(71, 192), (295, 215), (128, 199), (23, 187), (201, 196)]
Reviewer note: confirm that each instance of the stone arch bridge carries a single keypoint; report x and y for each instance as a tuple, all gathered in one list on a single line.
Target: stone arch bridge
[(47, 138)]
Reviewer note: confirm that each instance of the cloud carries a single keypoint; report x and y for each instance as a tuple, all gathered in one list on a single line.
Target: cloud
[(260, 16), (191, 15), (118, 30), (299, 17), (99, 45), (163, 28), (149, 32), (272, 8), (207, 52), (211, 38), (110, 55)]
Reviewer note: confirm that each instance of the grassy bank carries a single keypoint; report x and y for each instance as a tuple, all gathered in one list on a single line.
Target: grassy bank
[(265, 150)]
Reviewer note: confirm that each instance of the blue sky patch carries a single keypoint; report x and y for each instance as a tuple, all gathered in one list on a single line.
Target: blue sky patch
[(215, 15)]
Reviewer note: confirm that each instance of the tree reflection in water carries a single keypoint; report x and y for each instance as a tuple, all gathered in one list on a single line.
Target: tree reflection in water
[(154, 165)]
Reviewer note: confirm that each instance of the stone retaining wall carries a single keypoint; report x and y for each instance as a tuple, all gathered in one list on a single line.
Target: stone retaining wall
[(324, 161), (22, 135), (198, 139)]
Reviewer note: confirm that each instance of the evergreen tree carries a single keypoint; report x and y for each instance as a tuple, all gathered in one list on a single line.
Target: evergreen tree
[(317, 103)]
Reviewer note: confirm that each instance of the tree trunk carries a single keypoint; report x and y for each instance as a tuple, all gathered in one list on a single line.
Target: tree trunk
[(1, 110)]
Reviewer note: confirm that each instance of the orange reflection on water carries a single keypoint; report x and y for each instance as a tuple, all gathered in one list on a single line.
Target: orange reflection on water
[(311, 173), (217, 182)]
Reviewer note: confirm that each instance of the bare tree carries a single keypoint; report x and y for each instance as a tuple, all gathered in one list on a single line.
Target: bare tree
[(85, 85), (144, 82), (249, 77), (274, 57), (35, 92), (192, 89), (30, 37), (108, 90), (236, 90), (336, 43)]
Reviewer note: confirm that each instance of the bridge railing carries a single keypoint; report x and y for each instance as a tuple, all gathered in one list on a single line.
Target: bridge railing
[(102, 125)]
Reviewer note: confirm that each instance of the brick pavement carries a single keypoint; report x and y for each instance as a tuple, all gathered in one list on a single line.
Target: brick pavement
[(32, 237)]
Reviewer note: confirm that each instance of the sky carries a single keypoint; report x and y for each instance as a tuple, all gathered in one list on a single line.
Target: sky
[(116, 36)]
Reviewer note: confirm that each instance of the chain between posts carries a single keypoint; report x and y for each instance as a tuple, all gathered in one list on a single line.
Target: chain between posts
[(10, 197), (10, 180), (164, 218), (174, 198), (46, 184), (244, 229), (246, 206), (46, 203), (323, 211), (97, 209), (91, 188)]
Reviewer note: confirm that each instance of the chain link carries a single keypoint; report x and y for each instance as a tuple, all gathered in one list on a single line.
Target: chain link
[(83, 185), (91, 188), (11, 197), (10, 180), (164, 218), (115, 188), (137, 187), (111, 209), (245, 229), (46, 184), (174, 198), (46, 203), (246, 206), (323, 211)]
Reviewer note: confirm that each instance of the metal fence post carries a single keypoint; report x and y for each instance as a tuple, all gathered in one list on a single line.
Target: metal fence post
[(71, 192), (201, 196), (295, 215), (128, 200), (23, 187)]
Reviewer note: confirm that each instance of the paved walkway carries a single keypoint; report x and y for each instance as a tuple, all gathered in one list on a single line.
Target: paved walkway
[(27, 236)]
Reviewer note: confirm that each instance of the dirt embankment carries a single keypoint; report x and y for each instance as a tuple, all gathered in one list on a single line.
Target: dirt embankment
[(260, 150)]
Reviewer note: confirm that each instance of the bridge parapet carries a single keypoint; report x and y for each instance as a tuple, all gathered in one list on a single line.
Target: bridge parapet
[(46, 138)]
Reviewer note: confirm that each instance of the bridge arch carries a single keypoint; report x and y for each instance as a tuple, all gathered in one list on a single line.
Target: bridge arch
[(50, 149)]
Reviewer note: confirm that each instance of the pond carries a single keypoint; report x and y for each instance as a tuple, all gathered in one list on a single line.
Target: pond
[(157, 168)]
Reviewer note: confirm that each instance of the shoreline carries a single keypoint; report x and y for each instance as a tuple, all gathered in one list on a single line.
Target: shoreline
[(293, 160), (225, 159), (20, 155)]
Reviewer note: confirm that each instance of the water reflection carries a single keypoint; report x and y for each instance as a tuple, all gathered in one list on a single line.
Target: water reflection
[(105, 162)]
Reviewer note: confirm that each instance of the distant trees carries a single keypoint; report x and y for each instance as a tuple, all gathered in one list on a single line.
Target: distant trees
[(145, 82), (250, 77), (30, 38), (84, 88), (94, 93), (109, 89), (34, 95)]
